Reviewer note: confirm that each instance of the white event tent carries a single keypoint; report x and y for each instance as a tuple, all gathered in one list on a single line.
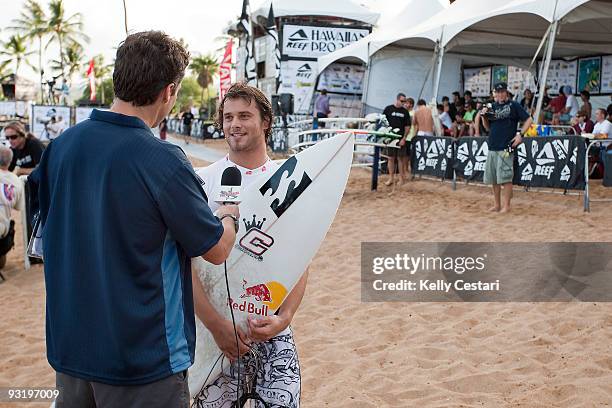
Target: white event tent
[(483, 31), (348, 9)]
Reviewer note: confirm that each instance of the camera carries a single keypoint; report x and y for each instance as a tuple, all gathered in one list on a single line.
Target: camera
[(487, 112)]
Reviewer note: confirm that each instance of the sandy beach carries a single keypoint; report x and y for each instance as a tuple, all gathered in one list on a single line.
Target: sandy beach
[(356, 354)]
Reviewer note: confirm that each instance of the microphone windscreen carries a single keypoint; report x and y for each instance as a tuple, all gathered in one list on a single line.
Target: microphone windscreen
[(231, 177)]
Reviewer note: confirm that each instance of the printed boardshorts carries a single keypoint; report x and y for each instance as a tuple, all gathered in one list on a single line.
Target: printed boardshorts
[(277, 367)]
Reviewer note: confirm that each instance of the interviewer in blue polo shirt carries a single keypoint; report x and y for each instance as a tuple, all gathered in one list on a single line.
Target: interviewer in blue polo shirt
[(122, 214)]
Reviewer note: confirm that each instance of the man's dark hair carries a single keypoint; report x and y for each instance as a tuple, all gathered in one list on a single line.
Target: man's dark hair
[(562, 90), (445, 99), (323, 91), (586, 94), (421, 102), (466, 93), (400, 95), (146, 63), (249, 94), (456, 93)]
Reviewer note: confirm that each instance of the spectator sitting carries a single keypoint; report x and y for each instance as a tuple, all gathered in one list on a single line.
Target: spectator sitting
[(465, 123), (603, 126), (570, 109), (467, 96), (445, 120), (585, 96), (527, 101), (452, 110), (556, 105), (584, 124), (12, 189)]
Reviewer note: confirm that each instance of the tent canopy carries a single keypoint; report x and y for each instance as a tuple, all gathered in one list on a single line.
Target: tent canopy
[(348, 9), (413, 14), (510, 29)]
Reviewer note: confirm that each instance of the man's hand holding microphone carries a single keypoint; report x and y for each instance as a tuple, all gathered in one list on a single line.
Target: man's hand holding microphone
[(228, 197)]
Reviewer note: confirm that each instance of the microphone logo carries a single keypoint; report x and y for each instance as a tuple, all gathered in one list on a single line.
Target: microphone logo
[(229, 194)]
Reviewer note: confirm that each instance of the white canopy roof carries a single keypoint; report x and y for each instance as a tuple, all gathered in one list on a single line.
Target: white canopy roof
[(512, 29), (413, 14), (349, 9)]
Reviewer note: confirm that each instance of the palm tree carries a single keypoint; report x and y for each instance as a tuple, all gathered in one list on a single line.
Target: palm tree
[(15, 49), (64, 28), (73, 60), (4, 73), (205, 67), (33, 24)]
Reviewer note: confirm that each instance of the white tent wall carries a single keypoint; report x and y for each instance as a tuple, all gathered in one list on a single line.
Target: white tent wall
[(395, 70)]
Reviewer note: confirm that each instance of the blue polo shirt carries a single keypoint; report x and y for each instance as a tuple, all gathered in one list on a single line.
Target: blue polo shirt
[(122, 213)]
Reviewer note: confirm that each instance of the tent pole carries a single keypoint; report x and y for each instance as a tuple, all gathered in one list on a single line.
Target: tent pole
[(544, 75), (441, 49), (366, 83)]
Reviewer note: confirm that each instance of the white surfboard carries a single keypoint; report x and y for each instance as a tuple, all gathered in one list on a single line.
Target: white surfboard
[(288, 215)]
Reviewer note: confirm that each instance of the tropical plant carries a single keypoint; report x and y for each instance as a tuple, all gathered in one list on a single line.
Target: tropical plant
[(64, 29), (205, 67), (33, 24), (16, 50), (73, 60), (190, 91)]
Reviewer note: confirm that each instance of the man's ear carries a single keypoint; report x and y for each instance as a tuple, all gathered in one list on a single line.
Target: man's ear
[(168, 92)]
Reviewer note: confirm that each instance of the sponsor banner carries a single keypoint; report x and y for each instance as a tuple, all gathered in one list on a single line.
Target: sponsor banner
[(303, 41), (342, 79), (486, 272), (551, 162), (477, 80), (48, 122), (299, 78), (589, 75), (8, 108), (432, 156), (81, 113), (606, 74), (471, 158), (561, 73)]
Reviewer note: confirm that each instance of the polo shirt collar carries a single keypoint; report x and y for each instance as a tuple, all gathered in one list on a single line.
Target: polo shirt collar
[(118, 119)]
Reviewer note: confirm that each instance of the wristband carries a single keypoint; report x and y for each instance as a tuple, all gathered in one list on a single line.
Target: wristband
[(236, 223)]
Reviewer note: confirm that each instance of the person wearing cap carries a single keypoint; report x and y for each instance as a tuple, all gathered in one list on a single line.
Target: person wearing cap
[(502, 121)]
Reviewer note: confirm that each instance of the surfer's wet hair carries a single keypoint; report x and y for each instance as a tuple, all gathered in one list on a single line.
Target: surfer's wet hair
[(249, 94), (146, 63)]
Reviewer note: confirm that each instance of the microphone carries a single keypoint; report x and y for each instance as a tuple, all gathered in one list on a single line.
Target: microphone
[(229, 191)]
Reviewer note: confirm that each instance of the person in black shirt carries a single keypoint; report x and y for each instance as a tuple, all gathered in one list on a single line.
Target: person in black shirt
[(187, 117), (502, 120), (27, 152), (27, 149), (399, 121)]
